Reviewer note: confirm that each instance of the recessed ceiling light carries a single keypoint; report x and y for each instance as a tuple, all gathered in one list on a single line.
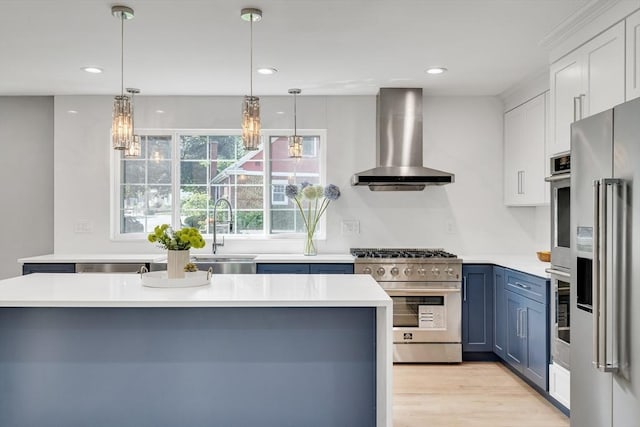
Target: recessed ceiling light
[(279, 112), (267, 71), (160, 111), (92, 70), (436, 70), (72, 111)]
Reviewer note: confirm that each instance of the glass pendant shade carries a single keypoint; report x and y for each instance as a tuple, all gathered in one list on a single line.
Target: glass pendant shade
[(122, 124), (134, 149), (251, 122), (295, 146)]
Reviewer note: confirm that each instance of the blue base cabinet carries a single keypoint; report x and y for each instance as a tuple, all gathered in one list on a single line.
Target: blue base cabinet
[(526, 308), (477, 308), (48, 268), (499, 313), (505, 312), (301, 268)]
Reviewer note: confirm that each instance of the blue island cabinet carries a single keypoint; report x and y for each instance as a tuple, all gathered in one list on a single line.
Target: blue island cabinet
[(304, 268), (477, 310)]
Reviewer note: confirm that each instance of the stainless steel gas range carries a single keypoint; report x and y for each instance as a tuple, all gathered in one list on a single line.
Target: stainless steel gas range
[(425, 286)]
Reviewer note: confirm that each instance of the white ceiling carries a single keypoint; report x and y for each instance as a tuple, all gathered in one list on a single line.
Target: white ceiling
[(197, 47)]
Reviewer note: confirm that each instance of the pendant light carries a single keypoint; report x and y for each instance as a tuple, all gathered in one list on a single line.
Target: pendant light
[(295, 141), (122, 124), (251, 104), (134, 149)]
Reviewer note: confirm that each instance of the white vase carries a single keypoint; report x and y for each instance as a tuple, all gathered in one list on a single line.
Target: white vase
[(176, 260)]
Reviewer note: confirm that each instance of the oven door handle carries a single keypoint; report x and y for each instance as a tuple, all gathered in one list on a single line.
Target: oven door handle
[(419, 292)]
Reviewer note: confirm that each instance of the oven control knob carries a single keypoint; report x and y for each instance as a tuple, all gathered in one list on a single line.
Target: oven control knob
[(449, 271), (366, 270), (421, 271), (395, 271), (380, 271), (408, 272), (435, 271)]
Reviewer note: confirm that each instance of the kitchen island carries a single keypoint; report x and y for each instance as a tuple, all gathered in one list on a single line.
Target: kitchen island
[(268, 350)]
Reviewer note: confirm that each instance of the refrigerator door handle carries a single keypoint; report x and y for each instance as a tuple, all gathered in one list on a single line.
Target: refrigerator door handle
[(607, 355), (595, 290)]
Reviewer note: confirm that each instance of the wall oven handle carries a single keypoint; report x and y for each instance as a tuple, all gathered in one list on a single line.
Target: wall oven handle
[(558, 177), (419, 292), (558, 273)]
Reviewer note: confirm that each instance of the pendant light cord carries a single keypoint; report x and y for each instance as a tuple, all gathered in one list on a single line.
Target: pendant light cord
[(251, 56), (295, 116), (122, 54)]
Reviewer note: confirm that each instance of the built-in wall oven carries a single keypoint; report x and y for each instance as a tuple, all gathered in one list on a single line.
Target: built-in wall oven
[(560, 270), (560, 317), (425, 286), (560, 183)]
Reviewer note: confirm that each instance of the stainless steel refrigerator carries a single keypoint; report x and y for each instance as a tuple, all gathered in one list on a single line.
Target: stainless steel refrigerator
[(605, 254)]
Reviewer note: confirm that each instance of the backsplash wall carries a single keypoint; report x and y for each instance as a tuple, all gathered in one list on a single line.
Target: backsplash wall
[(462, 135)]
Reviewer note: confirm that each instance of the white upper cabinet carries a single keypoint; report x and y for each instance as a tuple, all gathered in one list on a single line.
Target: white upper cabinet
[(524, 153), (587, 81), (566, 88), (633, 56)]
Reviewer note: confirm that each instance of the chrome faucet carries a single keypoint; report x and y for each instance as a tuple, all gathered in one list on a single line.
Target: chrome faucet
[(229, 223)]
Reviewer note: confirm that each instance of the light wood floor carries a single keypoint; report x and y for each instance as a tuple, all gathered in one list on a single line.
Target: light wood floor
[(473, 394)]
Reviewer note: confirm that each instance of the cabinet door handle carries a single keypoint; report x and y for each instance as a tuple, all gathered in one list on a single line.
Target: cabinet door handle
[(523, 313), (464, 288), (518, 323), (520, 182), (523, 286), (576, 100), (582, 99)]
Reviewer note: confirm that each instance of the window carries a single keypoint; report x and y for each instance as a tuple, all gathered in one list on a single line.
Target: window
[(278, 196), (180, 175)]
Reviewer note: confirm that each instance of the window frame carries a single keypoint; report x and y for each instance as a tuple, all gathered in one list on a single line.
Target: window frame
[(174, 134)]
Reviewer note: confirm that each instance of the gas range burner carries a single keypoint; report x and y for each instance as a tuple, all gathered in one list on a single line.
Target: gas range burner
[(400, 253)]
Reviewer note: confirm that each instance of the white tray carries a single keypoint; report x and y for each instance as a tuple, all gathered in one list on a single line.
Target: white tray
[(159, 279)]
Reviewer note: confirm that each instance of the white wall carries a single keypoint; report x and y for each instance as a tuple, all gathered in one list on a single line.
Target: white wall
[(463, 135), (26, 177)]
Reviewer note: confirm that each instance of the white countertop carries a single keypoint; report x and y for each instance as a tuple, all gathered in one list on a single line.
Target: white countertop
[(228, 290), (524, 263), (134, 258)]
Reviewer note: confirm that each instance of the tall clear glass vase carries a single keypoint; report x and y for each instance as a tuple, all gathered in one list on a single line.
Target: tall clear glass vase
[(310, 245)]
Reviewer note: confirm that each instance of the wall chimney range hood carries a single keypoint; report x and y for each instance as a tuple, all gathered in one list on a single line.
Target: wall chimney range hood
[(399, 145)]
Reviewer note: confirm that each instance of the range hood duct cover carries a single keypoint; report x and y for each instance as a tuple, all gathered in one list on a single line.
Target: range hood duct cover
[(399, 145)]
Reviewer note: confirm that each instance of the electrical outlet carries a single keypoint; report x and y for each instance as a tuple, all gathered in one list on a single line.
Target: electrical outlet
[(450, 227), (83, 226), (351, 226)]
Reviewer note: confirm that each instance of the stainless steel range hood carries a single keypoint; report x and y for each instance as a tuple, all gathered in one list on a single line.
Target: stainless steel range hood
[(399, 145)]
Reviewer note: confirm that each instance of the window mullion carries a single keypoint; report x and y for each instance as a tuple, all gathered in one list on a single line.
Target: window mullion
[(175, 179), (267, 205)]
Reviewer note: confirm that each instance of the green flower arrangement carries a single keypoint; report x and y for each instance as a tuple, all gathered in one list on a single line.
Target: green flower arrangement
[(176, 240)]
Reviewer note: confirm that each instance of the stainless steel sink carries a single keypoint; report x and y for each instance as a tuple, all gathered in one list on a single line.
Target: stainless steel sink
[(198, 258), (220, 263)]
